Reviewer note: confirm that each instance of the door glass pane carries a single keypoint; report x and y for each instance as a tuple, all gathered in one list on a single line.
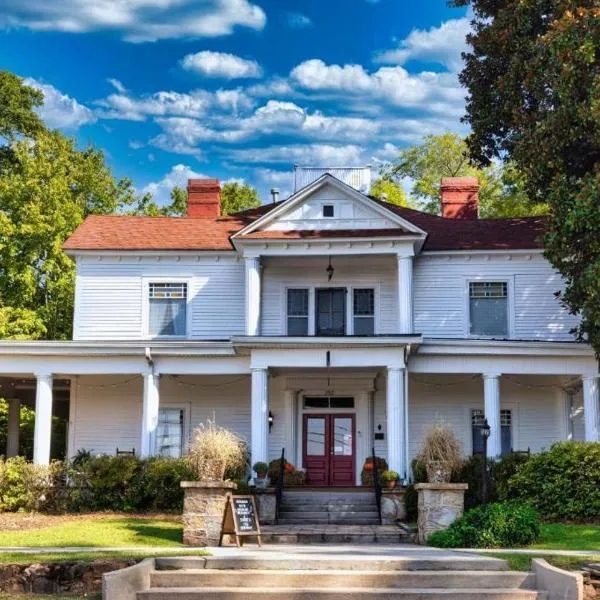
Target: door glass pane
[(315, 436), (316, 402), (342, 436)]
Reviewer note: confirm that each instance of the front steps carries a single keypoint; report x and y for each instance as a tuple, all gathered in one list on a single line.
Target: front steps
[(335, 534), (322, 577)]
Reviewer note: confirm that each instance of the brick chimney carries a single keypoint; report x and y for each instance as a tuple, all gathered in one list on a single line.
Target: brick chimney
[(204, 198), (460, 197)]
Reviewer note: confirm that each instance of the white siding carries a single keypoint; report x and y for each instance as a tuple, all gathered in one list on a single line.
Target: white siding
[(110, 295), (441, 301), (377, 272)]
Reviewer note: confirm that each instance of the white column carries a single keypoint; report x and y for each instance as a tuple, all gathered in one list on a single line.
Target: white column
[(150, 404), (491, 400), (260, 415), (14, 424), (405, 300), (396, 442), (252, 296), (43, 419), (289, 397), (591, 409)]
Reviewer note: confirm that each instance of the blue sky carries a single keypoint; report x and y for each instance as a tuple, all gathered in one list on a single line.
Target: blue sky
[(239, 89)]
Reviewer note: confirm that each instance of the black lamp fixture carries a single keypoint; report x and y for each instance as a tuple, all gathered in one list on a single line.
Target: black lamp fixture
[(486, 431), (330, 270), (271, 421)]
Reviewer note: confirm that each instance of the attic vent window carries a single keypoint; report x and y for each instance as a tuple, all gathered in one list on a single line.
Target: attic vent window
[(328, 210)]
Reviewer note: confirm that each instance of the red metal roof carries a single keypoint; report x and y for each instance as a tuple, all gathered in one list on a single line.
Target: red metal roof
[(118, 232)]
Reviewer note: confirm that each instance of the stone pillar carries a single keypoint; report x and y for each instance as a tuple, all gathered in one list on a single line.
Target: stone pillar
[(14, 424), (43, 419), (252, 296), (260, 416), (491, 399), (395, 419), (440, 504), (405, 300), (203, 510), (393, 506), (150, 404), (591, 409)]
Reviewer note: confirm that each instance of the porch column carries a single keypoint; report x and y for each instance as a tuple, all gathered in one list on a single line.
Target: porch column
[(14, 424), (405, 285), (150, 404), (290, 434), (43, 419), (491, 400), (252, 296), (395, 406), (260, 415), (591, 409)]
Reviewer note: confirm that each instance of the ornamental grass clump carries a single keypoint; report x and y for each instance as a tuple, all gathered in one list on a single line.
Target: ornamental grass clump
[(213, 450), (440, 454)]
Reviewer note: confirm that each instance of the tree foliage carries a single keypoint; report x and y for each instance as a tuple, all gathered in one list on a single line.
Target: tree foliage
[(501, 192), (238, 196), (390, 190), (533, 75)]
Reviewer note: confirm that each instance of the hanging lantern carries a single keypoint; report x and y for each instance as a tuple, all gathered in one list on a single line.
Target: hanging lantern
[(330, 270)]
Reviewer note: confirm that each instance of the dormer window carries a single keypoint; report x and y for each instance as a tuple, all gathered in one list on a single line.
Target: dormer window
[(328, 210)]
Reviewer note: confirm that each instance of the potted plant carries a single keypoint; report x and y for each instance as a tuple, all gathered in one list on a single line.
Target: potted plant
[(440, 454), (260, 468), (214, 449), (390, 478)]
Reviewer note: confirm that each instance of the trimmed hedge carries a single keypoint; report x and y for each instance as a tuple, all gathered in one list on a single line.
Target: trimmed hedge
[(497, 525), (563, 483)]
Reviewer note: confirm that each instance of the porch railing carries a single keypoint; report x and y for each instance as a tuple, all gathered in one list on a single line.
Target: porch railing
[(377, 485), (279, 486)]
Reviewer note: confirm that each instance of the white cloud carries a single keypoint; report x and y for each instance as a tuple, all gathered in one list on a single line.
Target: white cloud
[(435, 92), (176, 177), (221, 64), (277, 86), (386, 153), (59, 110), (274, 177), (117, 85), (138, 20), (442, 45), (316, 154), (136, 144), (298, 20)]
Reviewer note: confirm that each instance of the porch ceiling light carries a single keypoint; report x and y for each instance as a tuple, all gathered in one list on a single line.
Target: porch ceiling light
[(330, 270)]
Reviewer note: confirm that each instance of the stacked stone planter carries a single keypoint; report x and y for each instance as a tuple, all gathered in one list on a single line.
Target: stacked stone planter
[(203, 510)]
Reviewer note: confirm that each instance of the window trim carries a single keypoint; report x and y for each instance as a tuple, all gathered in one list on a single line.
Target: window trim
[(310, 307), (515, 437), (146, 281), (375, 307), (323, 215), (509, 280), (187, 429)]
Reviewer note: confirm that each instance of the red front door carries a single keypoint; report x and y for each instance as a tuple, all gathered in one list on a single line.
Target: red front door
[(329, 449)]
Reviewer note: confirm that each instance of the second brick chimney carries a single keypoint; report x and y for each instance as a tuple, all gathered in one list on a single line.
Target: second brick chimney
[(204, 198), (460, 197)]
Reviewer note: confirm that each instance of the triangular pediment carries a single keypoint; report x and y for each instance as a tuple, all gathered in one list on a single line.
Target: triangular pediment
[(328, 204)]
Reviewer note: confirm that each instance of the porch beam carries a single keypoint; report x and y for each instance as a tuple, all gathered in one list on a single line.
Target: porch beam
[(253, 294), (396, 411), (43, 419), (405, 293), (591, 409), (150, 405), (14, 424), (260, 415), (491, 400)]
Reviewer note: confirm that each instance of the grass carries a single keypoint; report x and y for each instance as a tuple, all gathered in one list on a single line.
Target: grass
[(99, 531), (96, 596), (558, 536), (522, 562)]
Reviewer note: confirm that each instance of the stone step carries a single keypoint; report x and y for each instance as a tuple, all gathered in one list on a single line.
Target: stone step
[(229, 593), (331, 506), (298, 562), (307, 537), (307, 514), (261, 578), (327, 519), (328, 497)]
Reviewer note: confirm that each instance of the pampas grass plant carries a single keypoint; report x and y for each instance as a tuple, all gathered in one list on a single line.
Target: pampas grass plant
[(440, 453), (213, 450)]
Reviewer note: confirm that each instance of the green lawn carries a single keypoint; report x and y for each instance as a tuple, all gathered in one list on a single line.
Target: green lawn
[(120, 531), (23, 558), (522, 562), (556, 536), (97, 596)]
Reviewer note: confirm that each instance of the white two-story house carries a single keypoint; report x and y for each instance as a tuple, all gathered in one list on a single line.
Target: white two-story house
[(327, 324)]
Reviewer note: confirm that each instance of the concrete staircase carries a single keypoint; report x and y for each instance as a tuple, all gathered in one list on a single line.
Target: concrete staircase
[(322, 577), (329, 507)]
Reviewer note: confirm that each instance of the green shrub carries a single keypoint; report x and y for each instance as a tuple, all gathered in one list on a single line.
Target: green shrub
[(159, 488), (563, 483), (22, 484), (498, 525), (504, 468), (411, 497)]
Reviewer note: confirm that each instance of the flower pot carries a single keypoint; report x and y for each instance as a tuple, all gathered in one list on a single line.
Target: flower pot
[(438, 472), (391, 485)]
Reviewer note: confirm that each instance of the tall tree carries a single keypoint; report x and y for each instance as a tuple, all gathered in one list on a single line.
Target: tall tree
[(501, 191), (238, 196), (390, 190), (147, 206), (533, 75)]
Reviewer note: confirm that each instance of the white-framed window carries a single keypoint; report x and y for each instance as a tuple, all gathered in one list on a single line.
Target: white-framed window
[(363, 310), (297, 311), (167, 309), (170, 432), (506, 430), (488, 309)]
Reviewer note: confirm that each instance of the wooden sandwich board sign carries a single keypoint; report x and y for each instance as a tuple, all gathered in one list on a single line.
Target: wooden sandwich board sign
[(240, 519)]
